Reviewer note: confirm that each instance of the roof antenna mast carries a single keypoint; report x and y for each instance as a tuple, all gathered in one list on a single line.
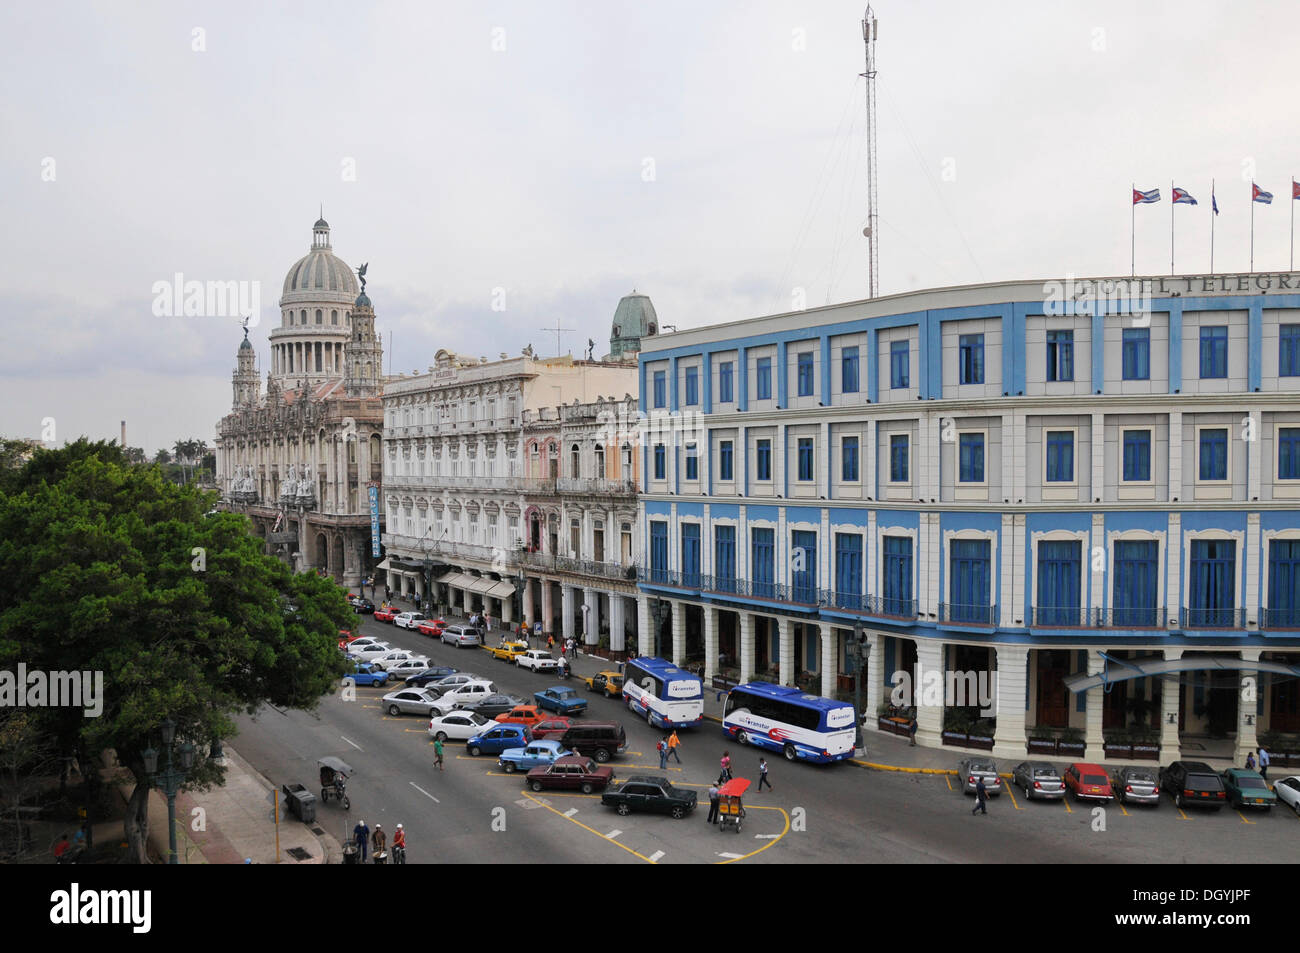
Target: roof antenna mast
[(870, 29)]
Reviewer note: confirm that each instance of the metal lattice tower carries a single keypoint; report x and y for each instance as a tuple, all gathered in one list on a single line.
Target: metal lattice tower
[(870, 29)]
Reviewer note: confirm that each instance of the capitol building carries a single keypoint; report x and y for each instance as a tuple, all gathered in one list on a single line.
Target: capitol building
[(301, 458)]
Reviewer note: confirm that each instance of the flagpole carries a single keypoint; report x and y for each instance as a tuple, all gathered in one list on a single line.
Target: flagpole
[(1252, 227), (1213, 216), (1292, 266), (1171, 227), (1132, 235)]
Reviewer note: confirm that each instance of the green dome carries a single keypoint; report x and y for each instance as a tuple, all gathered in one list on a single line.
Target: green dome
[(634, 318)]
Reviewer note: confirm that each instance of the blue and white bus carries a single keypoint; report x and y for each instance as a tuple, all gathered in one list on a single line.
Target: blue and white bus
[(663, 694), (802, 727)]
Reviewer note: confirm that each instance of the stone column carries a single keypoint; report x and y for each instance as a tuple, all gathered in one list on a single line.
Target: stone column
[(746, 646), (710, 642), (786, 642), (644, 621), (1247, 705), (528, 601), (929, 718), (1171, 699), (617, 623), (304, 543), (548, 607), (591, 631), (679, 631), (507, 612), (566, 610), (1013, 671), (829, 660), (1094, 750), (875, 676)]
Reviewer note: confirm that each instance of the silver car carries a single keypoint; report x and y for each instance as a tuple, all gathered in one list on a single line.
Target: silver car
[(411, 701), (1136, 785), (461, 635), (974, 768), (1038, 779)]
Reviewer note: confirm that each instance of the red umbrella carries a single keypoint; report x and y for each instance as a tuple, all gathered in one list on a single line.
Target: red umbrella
[(734, 788)]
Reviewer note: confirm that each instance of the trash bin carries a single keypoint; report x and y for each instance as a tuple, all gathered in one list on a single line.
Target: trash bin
[(300, 802), (350, 854)]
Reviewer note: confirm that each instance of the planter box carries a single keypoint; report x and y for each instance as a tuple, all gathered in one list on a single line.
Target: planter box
[(902, 728), (1117, 750), (1072, 748), (1041, 746), (979, 741), (1146, 751), (724, 683), (954, 738)]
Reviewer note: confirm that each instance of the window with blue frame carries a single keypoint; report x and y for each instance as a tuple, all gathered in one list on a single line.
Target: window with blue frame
[(1059, 446), (1213, 584), (1059, 575), (763, 460), (806, 374), (1137, 456), (970, 458), (896, 576), (804, 453), (1288, 359), (1214, 454), (692, 386), (660, 389), (1288, 453), (658, 551), (725, 460), (692, 462), (1135, 588), (1284, 583), (1135, 354), (1060, 355), (968, 581), (803, 567), (1214, 352), (724, 558), (762, 562), (849, 370), (725, 383), (898, 452), (691, 555), (900, 365), (763, 379), (848, 570), (661, 462), (849, 459), (971, 357)]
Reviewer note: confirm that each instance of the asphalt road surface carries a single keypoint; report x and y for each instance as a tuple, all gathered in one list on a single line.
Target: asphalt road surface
[(472, 812)]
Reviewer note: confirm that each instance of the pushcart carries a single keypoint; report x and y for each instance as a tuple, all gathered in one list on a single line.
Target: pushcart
[(731, 811)]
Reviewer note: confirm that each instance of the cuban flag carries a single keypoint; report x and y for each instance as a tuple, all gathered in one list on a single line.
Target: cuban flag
[(1183, 197), (1259, 195), (1214, 203), (1146, 198), (1295, 189)]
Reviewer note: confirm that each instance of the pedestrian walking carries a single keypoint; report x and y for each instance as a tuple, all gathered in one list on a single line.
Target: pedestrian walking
[(673, 744), (487, 621), (912, 731), (361, 837), (1250, 761), (1263, 763), (437, 753), (550, 643), (762, 775), (569, 646), (662, 748), (713, 804), (981, 798), (725, 763)]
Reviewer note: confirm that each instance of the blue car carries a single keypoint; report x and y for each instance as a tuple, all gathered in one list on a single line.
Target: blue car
[(499, 738), (561, 700), (430, 674), (537, 754), (363, 673)]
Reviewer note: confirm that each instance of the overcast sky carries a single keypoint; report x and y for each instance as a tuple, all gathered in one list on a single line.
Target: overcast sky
[(710, 155)]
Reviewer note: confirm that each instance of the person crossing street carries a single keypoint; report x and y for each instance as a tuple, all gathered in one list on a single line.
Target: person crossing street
[(673, 744)]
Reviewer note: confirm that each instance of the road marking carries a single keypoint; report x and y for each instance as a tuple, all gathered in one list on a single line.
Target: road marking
[(425, 793), (1120, 804), (574, 820), (1243, 818), (1013, 799), (654, 858), (949, 780), (570, 812), (766, 836), (1181, 814), (351, 742), (614, 833), (1065, 799), (732, 856)]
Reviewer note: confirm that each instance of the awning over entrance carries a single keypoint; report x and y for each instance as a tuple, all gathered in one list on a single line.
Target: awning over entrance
[(502, 590), (383, 566), (480, 583), (448, 577), (1123, 670)]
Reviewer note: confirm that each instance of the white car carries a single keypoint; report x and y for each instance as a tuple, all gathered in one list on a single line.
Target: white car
[(409, 620), (458, 725), (1288, 792), (537, 660), (368, 652), (469, 692), (455, 681), (391, 658), (408, 667), (364, 642)]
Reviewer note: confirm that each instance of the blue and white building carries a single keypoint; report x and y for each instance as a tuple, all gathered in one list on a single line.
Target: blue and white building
[(1046, 481)]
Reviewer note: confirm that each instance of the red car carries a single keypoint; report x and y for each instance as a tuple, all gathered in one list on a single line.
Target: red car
[(431, 627), (1089, 782), (346, 638), (522, 715), (573, 773), (552, 727), (386, 615)]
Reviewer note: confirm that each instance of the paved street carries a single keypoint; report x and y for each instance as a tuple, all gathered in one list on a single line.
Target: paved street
[(472, 812)]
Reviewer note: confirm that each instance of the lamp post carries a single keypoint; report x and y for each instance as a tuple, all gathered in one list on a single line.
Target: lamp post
[(170, 779), (857, 656), (520, 582)]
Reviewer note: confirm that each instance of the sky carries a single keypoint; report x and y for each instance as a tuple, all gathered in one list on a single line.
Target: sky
[(550, 157)]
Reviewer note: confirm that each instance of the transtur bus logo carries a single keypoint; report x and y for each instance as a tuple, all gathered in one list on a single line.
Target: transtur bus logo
[(1111, 297), (208, 299)]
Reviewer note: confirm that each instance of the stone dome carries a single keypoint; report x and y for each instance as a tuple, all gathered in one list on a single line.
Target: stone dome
[(321, 272), (634, 318)]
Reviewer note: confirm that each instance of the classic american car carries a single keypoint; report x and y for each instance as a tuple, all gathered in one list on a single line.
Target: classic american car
[(561, 700), (571, 773), (536, 754)]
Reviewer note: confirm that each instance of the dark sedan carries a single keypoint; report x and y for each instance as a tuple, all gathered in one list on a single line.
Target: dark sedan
[(1194, 782), (363, 606), (651, 794), (1038, 779), (571, 773), (430, 675), (492, 705)]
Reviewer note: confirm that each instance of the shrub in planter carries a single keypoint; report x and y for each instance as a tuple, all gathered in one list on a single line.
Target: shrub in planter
[(1042, 733)]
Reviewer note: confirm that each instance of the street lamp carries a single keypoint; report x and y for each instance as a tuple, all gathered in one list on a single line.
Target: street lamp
[(170, 779), (520, 582), (856, 653)]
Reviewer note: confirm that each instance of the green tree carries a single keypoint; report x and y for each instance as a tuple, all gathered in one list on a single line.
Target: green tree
[(162, 456), (109, 568)]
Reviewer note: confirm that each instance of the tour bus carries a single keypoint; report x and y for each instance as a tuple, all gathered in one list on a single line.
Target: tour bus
[(665, 695), (802, 727)]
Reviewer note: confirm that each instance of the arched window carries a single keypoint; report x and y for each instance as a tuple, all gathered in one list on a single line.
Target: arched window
[(600, 462), (334, 317), (320, 316), (576, 455), (302, 316)]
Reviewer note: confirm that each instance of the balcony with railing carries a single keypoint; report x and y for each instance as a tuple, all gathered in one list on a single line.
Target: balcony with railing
[(1280, 619), (595, 487), (952, 613), (1074, 617), (1202, 618)]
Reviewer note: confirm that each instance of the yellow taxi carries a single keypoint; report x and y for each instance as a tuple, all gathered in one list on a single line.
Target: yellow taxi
[(507, 652), (611, 683)]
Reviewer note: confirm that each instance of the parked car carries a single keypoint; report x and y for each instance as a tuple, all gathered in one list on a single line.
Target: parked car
[(457, 725), (408, 620), (455, 679), (385, 615), (1193, 782), (461, 696), (535, 754), (412, 701), (1246, 788), (364, 673), (1037, 779), (508, 652), (461, 636), (392, 657), (571, 773), (431, 673), (431, 627), (362, 606), (1088, 782), (521, 715), (498, 739), (601, 740), (368, 652), (551, 727), (358, 642), (561, 700), (490, 706), (1288, 792), (409, 666), (1136, 785), (611, 683), (655, 795), (972, 769), (539, 660)]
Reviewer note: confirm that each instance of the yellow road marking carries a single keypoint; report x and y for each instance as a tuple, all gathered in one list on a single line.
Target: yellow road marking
[(1120, 802), (1013, 799), (949, 780), (610, 840), (1243, 818), (1065, 799), (784, 831), (1180, 811)]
